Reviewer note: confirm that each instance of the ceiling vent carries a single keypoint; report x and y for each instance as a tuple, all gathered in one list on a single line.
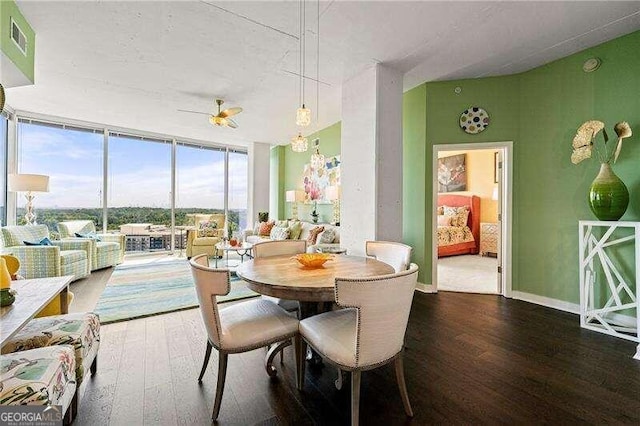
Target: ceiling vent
[(18, 37)]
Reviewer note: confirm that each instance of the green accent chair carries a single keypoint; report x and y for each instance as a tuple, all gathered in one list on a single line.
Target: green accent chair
[(106, 251), (64, 257)]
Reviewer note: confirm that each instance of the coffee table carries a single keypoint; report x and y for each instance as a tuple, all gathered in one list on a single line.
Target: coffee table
[(242, 250), (32, 295)]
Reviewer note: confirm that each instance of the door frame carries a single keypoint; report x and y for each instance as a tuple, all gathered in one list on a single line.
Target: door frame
[(505, 207)]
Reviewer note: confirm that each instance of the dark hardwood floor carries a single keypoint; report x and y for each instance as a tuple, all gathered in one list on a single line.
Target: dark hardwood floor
[(470, 359)]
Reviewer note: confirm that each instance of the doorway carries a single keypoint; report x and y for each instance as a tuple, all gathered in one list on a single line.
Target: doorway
[(478, 259)]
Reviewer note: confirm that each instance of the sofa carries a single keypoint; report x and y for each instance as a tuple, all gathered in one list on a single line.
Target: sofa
[(106, 249), (62, 257), (329, 238), (203, 233)]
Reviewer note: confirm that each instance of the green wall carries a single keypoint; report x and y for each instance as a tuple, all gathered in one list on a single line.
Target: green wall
[(276, 179), (8, 10), (415, 190), (539, 111), (294, 165)]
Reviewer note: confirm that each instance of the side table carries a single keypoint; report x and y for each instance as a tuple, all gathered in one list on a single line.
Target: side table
[(489, 238)]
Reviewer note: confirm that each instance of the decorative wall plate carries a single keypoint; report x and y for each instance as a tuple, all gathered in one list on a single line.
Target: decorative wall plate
[(474, 120)]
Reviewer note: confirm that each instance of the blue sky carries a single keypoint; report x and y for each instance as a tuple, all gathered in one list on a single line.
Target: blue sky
[(139, 171)]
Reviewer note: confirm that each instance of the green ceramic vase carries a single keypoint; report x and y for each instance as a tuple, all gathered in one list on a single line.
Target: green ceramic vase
[(6, 297), (608, 195)]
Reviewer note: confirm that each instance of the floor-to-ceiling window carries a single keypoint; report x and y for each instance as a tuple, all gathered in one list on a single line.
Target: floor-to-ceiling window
[(3, 169), (138, 181), (200, 179), (238, 181), (139, 194), (72, 158)]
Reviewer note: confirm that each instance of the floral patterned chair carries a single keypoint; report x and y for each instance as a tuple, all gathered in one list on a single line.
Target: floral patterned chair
[(63, 257), (80, 330), (43, 376), (205, 232), (106, 249)]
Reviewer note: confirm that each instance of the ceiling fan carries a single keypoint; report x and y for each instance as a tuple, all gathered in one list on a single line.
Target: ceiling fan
[(222, 118)]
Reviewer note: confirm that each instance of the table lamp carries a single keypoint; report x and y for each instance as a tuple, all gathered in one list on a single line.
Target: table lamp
[(294, 197), (28, 184), (332, 193)]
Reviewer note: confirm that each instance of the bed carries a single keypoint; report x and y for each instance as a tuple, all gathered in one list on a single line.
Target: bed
[(454, 240)]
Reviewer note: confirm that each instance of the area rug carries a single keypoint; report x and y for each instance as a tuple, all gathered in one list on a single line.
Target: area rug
[(135, 291)]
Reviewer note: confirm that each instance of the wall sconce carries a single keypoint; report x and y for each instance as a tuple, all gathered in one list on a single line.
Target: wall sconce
[(332, 193), (294, 197)]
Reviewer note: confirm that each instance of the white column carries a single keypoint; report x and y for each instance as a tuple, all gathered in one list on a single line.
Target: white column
[(258, 189), (371, 154)]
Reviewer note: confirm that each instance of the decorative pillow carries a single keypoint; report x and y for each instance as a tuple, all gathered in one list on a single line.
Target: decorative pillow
[(207, 228), (279, 233), (444, 220), (313, 235), (327, 237), (460, 215), (256, 228), (295, 229), (282, 223), (91, 235), (43, 242), (265, 228), (440, 210)]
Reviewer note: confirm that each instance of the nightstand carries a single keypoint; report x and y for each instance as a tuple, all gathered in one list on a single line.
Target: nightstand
[(489, 239)]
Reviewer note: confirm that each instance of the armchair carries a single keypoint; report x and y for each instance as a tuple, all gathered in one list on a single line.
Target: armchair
[(200, 241), (64, 257), (105, 252)]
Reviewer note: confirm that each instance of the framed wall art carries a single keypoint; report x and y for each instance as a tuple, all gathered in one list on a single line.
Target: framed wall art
[(452, 173)]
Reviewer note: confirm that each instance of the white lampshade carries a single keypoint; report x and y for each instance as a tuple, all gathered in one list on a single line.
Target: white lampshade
[(332, 193), (27, 182), (494, 195), (294, 196)]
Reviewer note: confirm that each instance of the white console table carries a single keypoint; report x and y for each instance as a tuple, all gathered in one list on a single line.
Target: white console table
[(605, 301)]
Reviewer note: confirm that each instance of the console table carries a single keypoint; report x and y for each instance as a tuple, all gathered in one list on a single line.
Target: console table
[(609, 301)]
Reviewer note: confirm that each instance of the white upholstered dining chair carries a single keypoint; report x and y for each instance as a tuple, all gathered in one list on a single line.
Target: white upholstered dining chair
[(240, 327), (280, 248), (367, 333), (395, 254)]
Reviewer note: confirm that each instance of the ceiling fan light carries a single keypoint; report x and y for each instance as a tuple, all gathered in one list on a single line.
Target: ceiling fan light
[(303, 116), (217, 121), (299, 143)]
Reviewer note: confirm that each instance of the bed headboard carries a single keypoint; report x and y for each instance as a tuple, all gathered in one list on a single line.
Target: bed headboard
[(473, 202)]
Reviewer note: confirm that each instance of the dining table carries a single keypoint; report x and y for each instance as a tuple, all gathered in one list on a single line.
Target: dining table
[(314, 288)]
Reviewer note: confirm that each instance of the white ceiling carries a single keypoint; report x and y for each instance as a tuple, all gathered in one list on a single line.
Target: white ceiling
[(134, 64)]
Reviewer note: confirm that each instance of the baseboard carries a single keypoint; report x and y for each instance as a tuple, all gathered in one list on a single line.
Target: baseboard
[(561, 305), (424, 288), (574, 308)]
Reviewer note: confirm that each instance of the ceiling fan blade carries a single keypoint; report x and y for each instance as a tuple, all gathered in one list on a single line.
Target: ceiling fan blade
[(232, 124), (194, 112), (229, 112)]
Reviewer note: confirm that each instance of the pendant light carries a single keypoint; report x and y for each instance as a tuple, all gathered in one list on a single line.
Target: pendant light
[(303, 114), (299, 143)]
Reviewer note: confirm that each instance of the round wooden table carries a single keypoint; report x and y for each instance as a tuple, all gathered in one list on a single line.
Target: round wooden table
[(285, 278)]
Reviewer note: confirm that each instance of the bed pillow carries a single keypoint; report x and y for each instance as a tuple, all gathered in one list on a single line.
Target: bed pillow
[(460, 215), (444, 220)]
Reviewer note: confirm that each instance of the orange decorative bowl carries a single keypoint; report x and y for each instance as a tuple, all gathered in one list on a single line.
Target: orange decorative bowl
[(313, 260)]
